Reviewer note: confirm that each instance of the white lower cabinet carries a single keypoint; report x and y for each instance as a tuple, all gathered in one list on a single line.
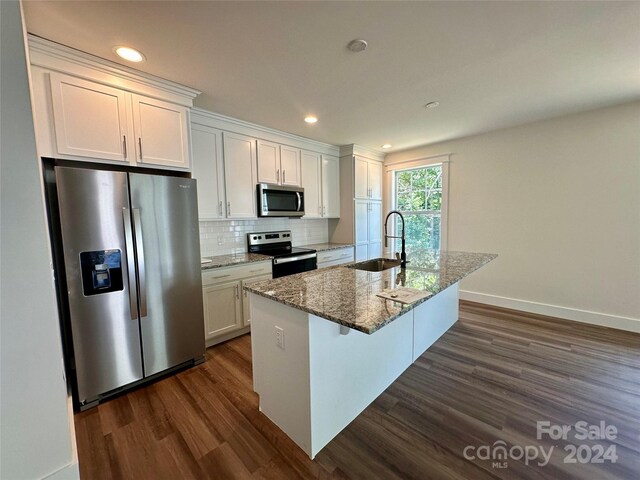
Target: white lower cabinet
[(222, 309), (227, 309)]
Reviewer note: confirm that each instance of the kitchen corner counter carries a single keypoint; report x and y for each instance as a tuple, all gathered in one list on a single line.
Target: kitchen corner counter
[(348, 296), (219, 261), (323, 247)]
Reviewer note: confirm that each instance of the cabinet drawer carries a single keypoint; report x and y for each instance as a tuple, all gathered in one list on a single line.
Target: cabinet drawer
[(340, 255), (228, 274)]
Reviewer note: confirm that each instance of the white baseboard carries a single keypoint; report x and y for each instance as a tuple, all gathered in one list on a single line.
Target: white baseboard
[(584, 316), (68, 472)]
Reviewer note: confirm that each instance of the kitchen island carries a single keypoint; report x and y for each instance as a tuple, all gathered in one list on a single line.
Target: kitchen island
[(324, 345)]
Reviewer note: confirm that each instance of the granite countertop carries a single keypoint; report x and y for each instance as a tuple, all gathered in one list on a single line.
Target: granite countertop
[(233, 259), (348, 296), (321, 247)]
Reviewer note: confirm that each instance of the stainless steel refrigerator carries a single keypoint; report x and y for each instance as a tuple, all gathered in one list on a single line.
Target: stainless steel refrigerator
[(130, 249)]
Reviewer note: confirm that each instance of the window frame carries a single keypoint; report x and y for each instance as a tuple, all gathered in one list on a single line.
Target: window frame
[(417, 164)]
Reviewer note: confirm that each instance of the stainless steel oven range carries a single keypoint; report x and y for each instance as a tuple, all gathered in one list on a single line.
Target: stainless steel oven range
[(287, 260)]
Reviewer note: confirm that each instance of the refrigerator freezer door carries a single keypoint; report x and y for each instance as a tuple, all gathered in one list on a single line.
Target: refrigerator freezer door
[(168, 250), (106, 341)]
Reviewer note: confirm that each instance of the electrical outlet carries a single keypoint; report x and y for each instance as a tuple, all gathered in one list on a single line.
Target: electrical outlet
[(279, 337)]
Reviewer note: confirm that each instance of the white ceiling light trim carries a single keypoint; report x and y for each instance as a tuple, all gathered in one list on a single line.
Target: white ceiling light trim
[(129, 54)]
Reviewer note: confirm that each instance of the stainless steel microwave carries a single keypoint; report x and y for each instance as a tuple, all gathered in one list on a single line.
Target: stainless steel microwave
[(280, 201)]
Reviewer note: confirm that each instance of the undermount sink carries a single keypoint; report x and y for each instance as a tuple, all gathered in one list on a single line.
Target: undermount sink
[(376, 265)]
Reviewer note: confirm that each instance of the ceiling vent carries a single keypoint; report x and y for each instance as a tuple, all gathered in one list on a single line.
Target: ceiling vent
[(357, 45)]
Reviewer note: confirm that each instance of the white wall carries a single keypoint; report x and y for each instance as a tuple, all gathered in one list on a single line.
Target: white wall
[(559, 201), (230, 236), (35, 434)]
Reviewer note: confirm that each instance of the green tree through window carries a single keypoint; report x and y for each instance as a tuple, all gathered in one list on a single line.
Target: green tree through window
[(418, 195)]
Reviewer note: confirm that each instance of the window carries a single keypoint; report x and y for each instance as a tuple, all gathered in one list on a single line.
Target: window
[(418, 195)]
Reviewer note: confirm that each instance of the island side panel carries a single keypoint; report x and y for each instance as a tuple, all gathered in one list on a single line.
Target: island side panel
[(433, 318), (281, 375), (348, 372)]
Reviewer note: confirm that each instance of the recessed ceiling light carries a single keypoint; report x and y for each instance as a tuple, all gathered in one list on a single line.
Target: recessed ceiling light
[(432, 105), (129, 54), (357, 45), (387, 145), (310, 119)]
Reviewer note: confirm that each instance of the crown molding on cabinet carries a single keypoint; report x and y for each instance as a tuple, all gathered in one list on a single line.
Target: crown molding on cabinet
[(54, 56), (230, 124), (353, 149)]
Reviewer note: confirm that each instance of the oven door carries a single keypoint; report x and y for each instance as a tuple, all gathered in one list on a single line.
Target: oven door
[(289, 265), (279, 201)]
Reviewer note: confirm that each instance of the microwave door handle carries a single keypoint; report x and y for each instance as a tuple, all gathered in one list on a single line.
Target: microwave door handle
[(142, 277), (131, 263), (299, 201)]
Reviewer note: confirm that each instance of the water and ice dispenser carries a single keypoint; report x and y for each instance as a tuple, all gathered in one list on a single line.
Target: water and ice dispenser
[(101, 271)]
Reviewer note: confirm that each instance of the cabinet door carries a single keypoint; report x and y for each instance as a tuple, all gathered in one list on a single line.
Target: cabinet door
[(375, 250), (239, 175), (268, 162), (90, 119), (311, 182), (374, 179), (207, 170), (222, 309), (361, 210), (361, 178), (330, 186), (246, 302), (162, 135), (290, 165), (375, 222)]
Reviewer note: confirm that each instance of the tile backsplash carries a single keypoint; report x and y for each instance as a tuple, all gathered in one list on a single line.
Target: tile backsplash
[(230, 236)]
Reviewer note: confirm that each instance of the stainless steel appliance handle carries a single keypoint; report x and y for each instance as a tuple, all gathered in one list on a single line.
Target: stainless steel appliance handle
[(142, 277), (131, 264), (307, 256), (299, 201)]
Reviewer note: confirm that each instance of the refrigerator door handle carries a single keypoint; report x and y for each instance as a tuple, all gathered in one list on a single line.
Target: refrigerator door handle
[(140, 257), (131, 264)]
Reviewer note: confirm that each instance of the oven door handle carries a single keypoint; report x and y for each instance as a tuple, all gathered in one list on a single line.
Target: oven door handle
[(278, 261), (299, 201)]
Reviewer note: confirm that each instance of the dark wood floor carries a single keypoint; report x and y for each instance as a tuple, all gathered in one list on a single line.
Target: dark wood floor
[(491, 377)]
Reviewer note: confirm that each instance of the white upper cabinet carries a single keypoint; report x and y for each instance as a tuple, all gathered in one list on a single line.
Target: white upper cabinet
[(268, 162), (290, 166), (374, 178), (361, 187), (278, 164), (240, 175), (311, 182), (97, 121), (330, 186), (208, 170), (368, 178), (375, 229), (90, 119), (161, 130)]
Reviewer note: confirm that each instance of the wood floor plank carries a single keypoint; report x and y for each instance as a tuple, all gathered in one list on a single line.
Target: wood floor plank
[(490, 378)]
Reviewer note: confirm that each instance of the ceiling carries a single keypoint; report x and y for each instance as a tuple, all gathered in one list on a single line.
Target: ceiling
[(489, 64)]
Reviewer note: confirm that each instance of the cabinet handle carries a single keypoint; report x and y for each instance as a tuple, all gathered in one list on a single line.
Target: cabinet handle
[(244, 292), (124, 145), (278, 175), (237, 293), (217, 277), (319, 210), (220, 207), (229, 208), (140, 145), (284, 176), (324, 210)]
